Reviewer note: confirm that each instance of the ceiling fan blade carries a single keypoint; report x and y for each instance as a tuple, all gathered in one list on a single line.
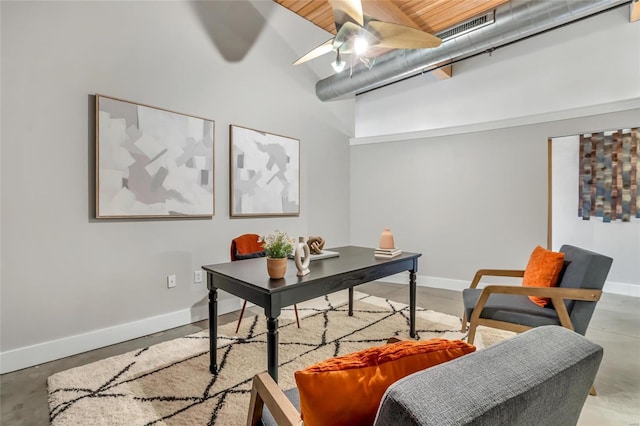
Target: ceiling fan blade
[(396, 36), (347, 11), (324, 48)]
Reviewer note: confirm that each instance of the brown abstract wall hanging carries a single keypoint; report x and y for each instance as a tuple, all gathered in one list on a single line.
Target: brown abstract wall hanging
[(609, 177)]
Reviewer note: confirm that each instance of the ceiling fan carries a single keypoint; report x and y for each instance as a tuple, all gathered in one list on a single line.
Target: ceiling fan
[(356, 33)]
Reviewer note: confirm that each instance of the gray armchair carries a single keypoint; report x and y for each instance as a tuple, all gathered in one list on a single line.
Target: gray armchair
[(509, 308), (539, 377)]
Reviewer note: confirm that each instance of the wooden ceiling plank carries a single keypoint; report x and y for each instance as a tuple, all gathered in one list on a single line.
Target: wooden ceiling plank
[(318, 12), (426, 14), (325, 19), (387, 11), (410, 4), (426, 8), (308, 9), (444, 9), (287, 3), (471, 8), (323, 9), (634, 12), (326, 22), (297, 5), (409, 7)]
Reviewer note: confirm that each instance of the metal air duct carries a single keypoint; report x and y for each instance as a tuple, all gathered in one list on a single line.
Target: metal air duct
[(513, 21)]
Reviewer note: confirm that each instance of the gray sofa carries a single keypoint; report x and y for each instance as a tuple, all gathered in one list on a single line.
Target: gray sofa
[(540, 377)]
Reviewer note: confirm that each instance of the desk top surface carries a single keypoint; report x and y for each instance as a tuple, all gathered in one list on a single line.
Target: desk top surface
[(352, 259)]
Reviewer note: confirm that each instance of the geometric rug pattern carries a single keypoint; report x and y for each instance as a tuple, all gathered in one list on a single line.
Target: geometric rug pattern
[(169, 383)]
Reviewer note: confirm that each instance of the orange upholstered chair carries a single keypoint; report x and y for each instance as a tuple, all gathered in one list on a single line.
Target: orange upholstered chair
[(246, 246)]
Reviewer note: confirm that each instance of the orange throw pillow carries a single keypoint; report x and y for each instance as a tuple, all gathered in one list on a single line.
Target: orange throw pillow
[(543, 270), (347, 390)]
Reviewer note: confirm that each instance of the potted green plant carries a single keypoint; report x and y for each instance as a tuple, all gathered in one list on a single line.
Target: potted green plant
[(277, 247)]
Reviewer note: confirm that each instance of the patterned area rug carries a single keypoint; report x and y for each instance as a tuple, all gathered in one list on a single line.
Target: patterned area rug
[(170, 384)]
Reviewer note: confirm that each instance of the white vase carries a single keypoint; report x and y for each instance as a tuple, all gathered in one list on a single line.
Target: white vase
[(302, 257)]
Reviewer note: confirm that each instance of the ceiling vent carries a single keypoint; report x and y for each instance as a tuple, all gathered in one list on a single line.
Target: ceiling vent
[(467, 26)]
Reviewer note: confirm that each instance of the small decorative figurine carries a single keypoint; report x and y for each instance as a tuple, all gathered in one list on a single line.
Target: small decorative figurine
[(316, 244)]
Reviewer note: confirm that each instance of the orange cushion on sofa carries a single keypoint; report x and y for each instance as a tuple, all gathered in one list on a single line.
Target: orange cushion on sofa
[(347, 390), (543, 270)]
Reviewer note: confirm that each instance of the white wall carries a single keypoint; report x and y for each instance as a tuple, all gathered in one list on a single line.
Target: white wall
[(460, 200), (71, 282), (458, 168), (617, 239), (466, 201), (592, 62)]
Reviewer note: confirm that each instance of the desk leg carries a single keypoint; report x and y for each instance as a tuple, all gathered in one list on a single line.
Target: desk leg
[(272, 348), (350, 301), (412, 303), (213, 330)]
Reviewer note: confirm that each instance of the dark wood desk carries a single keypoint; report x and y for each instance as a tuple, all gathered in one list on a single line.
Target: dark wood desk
[(248, 280)]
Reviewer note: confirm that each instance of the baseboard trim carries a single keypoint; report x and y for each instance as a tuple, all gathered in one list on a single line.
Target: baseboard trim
[(622, 288), (459, 285), (427, 281), (28, 356)]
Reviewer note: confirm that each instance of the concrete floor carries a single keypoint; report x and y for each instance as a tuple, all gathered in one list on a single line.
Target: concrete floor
[(615, 325)]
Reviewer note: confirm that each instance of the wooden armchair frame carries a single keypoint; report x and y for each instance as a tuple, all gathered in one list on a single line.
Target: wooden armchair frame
[(556, 294), (265, 391)]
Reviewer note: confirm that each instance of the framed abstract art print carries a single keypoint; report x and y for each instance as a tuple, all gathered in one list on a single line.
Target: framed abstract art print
[(151, 162), (264, 174)]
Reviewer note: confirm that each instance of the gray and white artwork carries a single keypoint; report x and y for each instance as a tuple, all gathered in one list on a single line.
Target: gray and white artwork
[(265, 171), (152, 162)]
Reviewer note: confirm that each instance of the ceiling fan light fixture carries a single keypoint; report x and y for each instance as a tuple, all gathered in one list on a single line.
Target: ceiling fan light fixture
[(339, 64), (360, 45)]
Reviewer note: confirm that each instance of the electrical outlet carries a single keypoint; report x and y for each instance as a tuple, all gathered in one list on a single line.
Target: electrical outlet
[(197, 276), (171, 281)]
